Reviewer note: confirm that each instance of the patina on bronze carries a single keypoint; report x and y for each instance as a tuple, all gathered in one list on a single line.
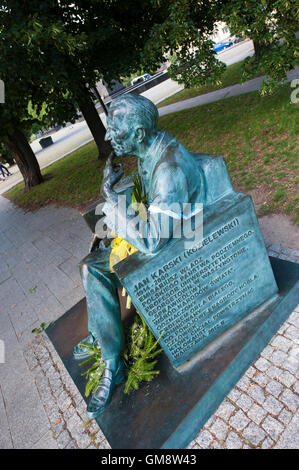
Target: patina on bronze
[(170, 176), (188, 295)]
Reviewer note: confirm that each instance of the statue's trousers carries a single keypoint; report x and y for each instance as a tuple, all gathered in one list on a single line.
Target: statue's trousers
[(103, 309)]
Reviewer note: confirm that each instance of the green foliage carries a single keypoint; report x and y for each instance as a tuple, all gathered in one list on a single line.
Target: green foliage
[(32, 290), (139, 357), (52, 54), (280, 194), (35, 128), (95, 372), (272, 25), (49, 51), (5, 156), (34, 89), (197, 66), (185, 36), (137, 192), (42, 328), (138, 198), (28, 67), (126, 81)]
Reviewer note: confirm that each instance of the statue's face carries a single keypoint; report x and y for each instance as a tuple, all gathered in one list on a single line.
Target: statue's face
[(120, 132)]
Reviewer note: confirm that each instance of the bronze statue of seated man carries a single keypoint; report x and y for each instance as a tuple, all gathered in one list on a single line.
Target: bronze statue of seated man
[(170, 177)]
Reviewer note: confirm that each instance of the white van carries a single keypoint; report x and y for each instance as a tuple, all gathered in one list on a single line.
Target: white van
[(140, 79)]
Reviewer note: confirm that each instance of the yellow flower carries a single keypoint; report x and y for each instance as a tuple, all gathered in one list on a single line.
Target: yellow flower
[(120, 249)]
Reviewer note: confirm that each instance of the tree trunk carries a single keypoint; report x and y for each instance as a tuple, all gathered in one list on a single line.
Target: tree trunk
[(25, 158), (259, 48), (95, 125)]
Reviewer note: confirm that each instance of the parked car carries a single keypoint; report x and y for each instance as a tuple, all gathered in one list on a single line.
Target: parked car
[(221, 45), (140, 79), (237, 40)]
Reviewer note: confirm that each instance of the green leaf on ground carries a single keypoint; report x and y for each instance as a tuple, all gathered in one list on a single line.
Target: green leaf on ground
[(32, 290), (43, 327)]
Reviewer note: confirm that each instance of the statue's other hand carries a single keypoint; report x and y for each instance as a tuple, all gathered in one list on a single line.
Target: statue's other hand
[(117, 173), (111, 175)]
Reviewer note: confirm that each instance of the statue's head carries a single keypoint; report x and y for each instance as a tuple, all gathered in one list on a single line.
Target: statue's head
[(132, 122)]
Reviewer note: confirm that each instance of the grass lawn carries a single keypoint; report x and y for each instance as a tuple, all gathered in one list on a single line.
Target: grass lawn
[(257, 136), (231, 76), (72, 181)]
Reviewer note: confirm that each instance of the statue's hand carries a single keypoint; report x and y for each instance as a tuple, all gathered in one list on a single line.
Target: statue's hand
[(111, 175), (96, 242)]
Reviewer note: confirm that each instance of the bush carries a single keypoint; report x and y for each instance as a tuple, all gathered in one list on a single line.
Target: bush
[(5, 155)]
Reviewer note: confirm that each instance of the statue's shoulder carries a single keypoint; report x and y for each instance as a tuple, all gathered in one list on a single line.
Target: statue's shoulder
[(170, 149)]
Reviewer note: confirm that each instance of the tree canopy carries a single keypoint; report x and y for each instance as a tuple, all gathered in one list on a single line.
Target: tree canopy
[(272, 25), (53, 52), (30, 95)]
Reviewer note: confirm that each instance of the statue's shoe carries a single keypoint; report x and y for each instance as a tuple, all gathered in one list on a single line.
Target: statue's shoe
[(80, 352), (102, 396)]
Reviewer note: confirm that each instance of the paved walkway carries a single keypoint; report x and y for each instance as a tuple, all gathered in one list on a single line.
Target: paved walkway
[(40, 407)]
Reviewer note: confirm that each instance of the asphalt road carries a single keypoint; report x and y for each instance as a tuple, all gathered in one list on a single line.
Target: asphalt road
[(73, 136), (237, 52)]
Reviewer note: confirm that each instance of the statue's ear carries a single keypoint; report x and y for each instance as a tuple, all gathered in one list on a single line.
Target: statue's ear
[(140, 134)]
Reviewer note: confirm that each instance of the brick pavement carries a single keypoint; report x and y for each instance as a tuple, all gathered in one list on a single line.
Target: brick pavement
[(40, 407)]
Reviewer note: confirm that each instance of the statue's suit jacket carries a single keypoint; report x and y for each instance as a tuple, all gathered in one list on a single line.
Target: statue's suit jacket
[(174, 185)]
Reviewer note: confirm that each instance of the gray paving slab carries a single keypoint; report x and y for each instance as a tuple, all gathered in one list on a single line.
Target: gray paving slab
[(72, 297), (25, 413), (11, 293), (71, 268), (5, 435), (22, 315), (290, 437), (57, 281), (27, 275), (26, 416), (47, 441), (5, 274)]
